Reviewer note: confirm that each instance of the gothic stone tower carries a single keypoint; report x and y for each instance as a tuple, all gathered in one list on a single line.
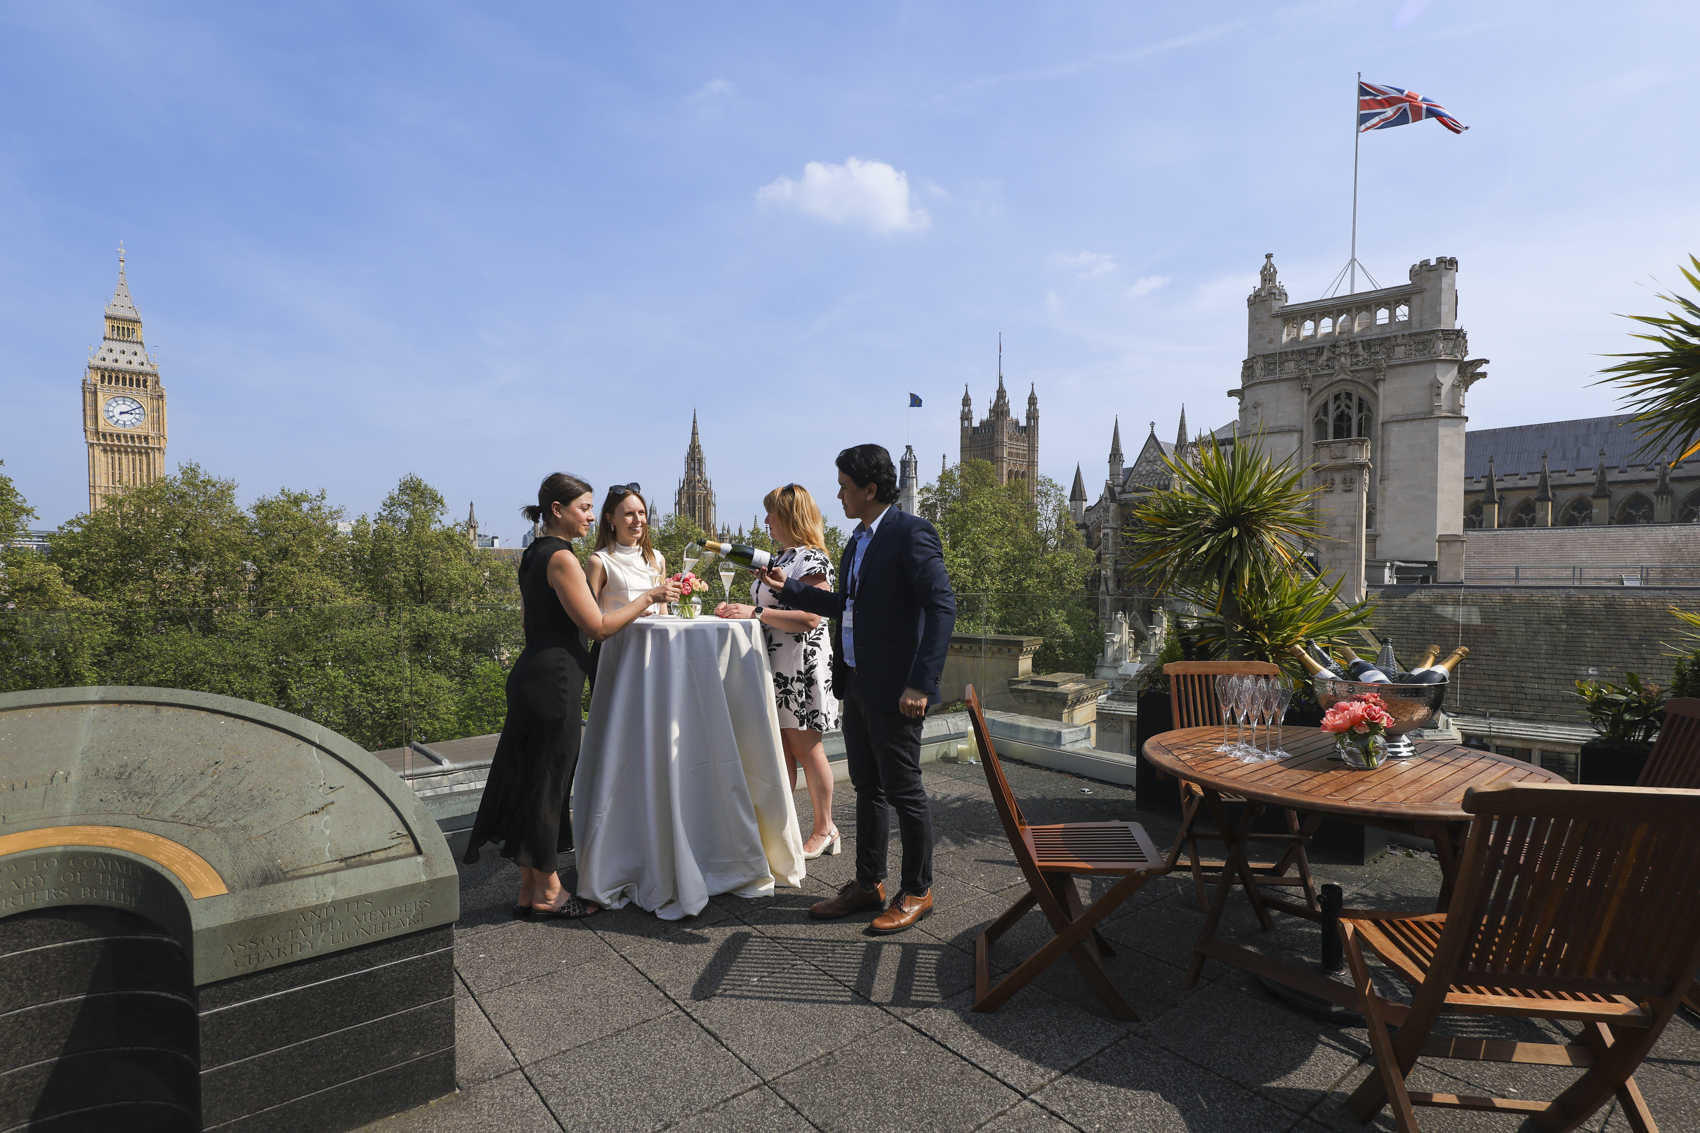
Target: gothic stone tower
[(1010, 447), (1387, 368), (123, 403), (695, 497)]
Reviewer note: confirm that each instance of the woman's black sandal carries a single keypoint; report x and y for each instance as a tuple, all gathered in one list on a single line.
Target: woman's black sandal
[(573, 908), (523, 910)]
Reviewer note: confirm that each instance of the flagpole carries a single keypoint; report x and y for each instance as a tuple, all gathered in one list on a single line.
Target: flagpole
[(1357, 136)]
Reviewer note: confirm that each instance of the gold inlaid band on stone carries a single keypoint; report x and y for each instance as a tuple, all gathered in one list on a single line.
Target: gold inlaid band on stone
[(195, 872)]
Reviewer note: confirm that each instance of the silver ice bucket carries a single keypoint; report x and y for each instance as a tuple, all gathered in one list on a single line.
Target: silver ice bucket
[(1411, 706)]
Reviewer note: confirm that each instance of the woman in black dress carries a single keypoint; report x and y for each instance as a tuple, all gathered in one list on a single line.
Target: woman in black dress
[(525, 805)]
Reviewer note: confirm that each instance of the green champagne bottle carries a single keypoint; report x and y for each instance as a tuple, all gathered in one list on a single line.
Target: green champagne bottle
[(746, 556)]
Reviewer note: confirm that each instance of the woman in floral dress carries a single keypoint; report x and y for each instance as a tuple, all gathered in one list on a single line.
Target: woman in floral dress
[(800, 654)]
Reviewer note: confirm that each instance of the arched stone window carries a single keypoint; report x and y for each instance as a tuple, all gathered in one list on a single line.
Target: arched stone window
[(1579, 512), (1636, 509), (1342, 416), (1523, 515), (1381, 316), (1308, 329), (1327, 327), (1319, 422), (1402, 313), (1473, 516), (1289, 331), (1689, 512)]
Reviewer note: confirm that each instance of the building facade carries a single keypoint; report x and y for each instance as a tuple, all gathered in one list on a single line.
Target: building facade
[(123, 403), (1011, 447), (695, 497)]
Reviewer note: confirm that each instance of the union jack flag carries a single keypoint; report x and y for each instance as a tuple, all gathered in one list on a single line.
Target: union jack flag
[(1381, 107)]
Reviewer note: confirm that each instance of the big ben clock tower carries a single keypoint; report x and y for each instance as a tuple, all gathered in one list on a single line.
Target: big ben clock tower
[(123, 403)]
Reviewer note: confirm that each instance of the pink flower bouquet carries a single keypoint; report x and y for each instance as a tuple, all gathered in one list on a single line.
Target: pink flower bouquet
[(1359, 725), (689, 587)]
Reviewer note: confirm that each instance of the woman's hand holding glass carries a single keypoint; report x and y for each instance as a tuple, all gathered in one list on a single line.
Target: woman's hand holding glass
[(667, 591)]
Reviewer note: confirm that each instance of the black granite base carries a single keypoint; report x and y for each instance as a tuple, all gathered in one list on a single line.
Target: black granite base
[(99, 1031), (332, 1043)]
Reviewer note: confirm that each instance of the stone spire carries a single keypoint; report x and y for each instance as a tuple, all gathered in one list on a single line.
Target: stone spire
[(1602, 490), (472, 523), (908, 477), (1491, 496), (1180, 436), (1543, 487), (122, 306), (1077, 496), (695, 497), (1116, 453)]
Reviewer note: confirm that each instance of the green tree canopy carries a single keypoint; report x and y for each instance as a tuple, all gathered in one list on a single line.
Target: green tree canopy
[(407, 557), (179, 541)]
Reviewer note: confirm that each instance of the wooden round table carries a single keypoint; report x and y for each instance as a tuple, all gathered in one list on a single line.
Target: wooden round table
[(1423, 795)]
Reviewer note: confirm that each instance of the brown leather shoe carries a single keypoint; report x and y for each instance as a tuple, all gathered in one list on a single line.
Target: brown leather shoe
[(905, 909), (851, 899)]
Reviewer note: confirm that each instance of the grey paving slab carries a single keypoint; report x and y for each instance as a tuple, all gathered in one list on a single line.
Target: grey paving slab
[(643, 1078), (1260, 1045), (988, 866), (1030, 1041), (480, 1053), (895, 1080), (507, 1104), (1026, 1118), (625, 928), (1137, 1085), (572, 1007), (526, 950), (756, 1111), (906, 972), (775, 1021)]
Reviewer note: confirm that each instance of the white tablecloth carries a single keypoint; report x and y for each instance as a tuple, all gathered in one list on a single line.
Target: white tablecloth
[(681, 790)]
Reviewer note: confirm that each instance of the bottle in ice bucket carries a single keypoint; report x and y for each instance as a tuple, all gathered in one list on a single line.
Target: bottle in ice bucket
[(746, 556), (1439, 672)]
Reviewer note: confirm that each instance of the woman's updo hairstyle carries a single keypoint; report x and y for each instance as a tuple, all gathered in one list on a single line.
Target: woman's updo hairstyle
[(559, 487)]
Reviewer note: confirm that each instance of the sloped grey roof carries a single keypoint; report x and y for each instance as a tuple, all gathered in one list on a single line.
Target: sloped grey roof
[(1517, 449)]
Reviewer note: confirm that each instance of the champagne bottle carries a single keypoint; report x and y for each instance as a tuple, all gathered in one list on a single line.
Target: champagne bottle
[(746, 556), (1428, 657), (1362, 671), (1441, 671), (1314, 667), (1320, 656), (1385, 661)]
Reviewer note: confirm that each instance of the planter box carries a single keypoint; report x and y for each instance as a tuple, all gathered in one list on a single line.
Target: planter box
[(1611, 765)]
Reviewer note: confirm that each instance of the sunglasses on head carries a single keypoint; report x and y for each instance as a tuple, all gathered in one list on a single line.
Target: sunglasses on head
[(632, 489)]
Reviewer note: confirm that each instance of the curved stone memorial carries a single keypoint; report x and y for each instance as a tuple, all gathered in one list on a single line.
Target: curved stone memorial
[(213, 915)]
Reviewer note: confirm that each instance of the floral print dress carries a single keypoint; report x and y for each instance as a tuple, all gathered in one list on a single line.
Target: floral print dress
[(802, 662)]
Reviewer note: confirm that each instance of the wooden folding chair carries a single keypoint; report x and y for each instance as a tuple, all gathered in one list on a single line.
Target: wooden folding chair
[(1675, 762), (1192, 693), (1578, 903), (1050, 858)]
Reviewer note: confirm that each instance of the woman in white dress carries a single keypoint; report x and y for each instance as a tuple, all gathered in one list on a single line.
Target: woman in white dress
[(799, 652), (623, 565)]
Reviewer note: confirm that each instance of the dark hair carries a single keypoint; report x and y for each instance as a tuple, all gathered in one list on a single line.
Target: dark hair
[(605, 525), (559, 487), (870, 464)]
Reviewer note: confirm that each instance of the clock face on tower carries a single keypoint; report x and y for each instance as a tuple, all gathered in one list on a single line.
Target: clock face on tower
[(125, 412)]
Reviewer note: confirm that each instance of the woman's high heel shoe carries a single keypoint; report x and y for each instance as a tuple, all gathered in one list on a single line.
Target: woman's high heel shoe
[(833, 845)]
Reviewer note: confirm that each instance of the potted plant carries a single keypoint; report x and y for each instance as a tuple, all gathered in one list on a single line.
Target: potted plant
[(1626, 718)]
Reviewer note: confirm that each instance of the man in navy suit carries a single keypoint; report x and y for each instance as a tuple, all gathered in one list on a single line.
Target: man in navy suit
[(891, 623)]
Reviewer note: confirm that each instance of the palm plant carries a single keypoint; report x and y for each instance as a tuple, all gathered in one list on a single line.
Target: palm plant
[(1231, 521), (1663, 385), (1283, 609)]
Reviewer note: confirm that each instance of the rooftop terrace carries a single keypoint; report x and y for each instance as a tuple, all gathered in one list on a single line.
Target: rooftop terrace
[(753, 1017)]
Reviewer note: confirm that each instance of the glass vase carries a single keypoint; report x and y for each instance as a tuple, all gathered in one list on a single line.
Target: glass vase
[(689, 609), (1361, 753)]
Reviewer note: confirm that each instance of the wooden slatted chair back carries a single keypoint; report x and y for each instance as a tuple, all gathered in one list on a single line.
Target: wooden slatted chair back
[(1192, 688), (1588, 890), (1009, 811), (1675, 761)]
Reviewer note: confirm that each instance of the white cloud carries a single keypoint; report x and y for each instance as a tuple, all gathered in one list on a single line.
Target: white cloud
[(1146, 284), (709, 91), (869, 193), (1084, 264)]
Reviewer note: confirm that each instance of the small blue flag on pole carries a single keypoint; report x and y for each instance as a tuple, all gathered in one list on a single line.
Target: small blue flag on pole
[(914, 402)]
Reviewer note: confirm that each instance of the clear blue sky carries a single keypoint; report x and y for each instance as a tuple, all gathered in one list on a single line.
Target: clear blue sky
[(483, 242)]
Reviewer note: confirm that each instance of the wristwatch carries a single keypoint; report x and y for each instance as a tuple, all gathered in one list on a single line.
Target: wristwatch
[(757, 615)]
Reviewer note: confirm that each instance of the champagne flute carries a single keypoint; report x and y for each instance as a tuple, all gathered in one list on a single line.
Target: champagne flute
[(1225, 703), (727, 573), (693, 556), (1283, 698), (1242, 708)]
